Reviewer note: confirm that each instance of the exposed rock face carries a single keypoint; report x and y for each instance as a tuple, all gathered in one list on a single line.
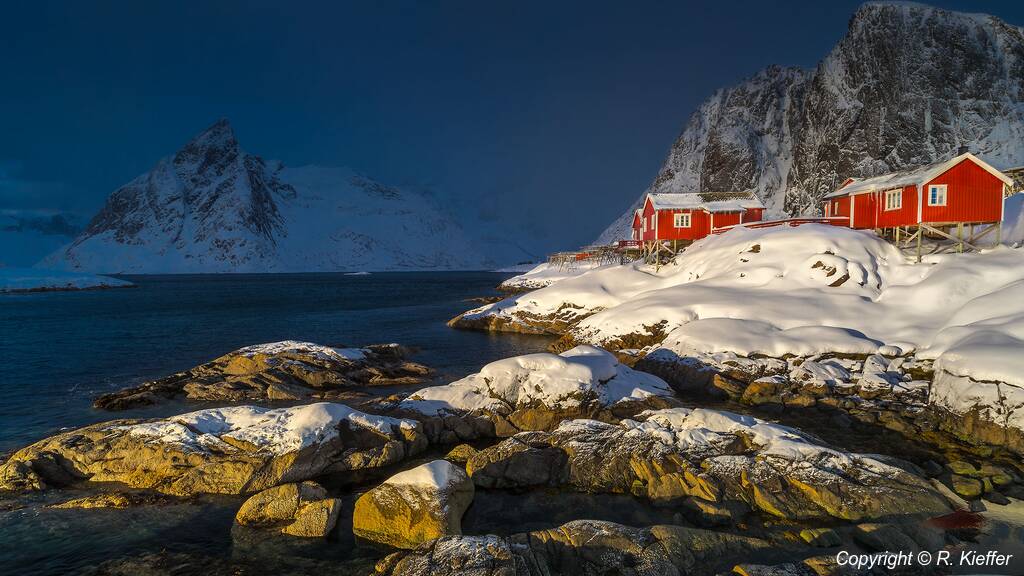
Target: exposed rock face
[(579, 547), (212, 207), (297, 509), (678, 454), (908, 85), (287, 370), (959, 416), (519, 322), (535, 392), (238, 450), (415, 506)]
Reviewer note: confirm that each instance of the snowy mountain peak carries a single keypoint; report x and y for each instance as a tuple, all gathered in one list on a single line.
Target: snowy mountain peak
[(212, 207), (907, 85)]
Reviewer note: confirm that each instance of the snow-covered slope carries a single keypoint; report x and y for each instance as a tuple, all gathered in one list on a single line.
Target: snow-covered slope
[(211, 207), (802, 291), (908, 85)]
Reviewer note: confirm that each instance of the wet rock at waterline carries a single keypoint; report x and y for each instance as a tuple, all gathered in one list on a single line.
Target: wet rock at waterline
[(236, 450), (414, 506), (535, 392), (682, 454), (287, 370), (114, 500), (296, 509), (578, 547)]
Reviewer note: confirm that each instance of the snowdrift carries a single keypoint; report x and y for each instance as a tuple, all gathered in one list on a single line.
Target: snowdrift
[(804, 290)]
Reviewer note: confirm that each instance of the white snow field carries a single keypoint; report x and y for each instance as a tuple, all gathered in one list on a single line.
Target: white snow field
[(33, 279), (543, 275), (804, 290)]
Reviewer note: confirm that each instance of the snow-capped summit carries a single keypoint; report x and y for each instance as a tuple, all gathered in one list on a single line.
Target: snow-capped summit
[(908, 85), (212, 207)]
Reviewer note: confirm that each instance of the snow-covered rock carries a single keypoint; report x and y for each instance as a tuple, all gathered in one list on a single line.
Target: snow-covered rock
[(285, 370), (211, 207), (908, 85), (414, 506), (543, 275), (537, 391), (714, 456), (235, 450), (38, 280)]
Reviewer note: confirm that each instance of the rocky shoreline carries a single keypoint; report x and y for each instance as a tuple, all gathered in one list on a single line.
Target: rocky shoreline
[(746, 494)]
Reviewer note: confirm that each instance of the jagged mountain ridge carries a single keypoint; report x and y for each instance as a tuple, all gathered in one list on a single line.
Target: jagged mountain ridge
[(908, 85), (211, 207)]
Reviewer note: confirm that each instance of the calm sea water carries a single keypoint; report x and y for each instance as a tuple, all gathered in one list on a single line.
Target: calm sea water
[(59, 350)]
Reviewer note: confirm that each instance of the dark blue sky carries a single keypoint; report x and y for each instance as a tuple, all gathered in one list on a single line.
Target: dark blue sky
[(557, 113)]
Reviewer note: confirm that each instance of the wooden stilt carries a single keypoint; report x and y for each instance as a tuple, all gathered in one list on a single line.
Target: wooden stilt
[(960, 237), (919, 233)]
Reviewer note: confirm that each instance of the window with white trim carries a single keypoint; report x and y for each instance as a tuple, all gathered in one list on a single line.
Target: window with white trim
[(937, 195), (681, 220), (894, 199), (835, 207)]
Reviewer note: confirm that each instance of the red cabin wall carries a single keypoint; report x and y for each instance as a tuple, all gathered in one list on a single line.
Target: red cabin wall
[(906, 215), (837, 207), (753, 215), (862, 208), (972, 195), (700, 225), (726, 219), (647, 214)]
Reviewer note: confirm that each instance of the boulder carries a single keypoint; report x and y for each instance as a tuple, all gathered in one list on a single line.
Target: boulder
[(670, 455), (535, 392), (297, 509), (287, 370), (578, 547), (236, 450), (460, 454), (414, 506)]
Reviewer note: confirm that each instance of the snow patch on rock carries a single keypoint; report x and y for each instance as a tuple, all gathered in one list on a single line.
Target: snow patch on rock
[(278, 431), (552, 380)]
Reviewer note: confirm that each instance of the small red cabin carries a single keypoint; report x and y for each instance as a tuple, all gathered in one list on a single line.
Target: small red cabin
[(963, 190), (693, 216)]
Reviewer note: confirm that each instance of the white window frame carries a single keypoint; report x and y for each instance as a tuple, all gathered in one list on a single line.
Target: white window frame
[(943, 188), (893, 199), (678, 217)]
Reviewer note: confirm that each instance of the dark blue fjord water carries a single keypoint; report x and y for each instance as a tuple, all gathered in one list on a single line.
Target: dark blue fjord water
[(58, 350)]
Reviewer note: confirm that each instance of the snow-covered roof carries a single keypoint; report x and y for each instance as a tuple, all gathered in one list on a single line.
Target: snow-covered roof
[(912, 177), (707, 201)]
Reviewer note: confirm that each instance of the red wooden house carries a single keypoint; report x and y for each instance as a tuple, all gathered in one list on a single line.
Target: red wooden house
[(686, 217), (961, 191)]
